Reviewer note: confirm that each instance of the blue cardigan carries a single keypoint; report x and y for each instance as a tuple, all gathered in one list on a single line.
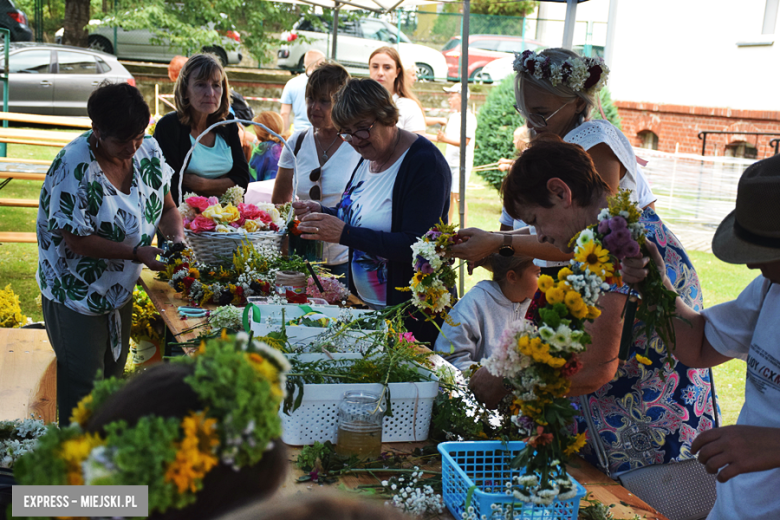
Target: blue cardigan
[(421, 196)]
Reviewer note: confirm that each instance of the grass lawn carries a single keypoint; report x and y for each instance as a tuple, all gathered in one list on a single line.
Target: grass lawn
[(720, 282)]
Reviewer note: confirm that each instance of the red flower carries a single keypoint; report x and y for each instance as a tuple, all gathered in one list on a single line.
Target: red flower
[(199, 203), (188, 281), (264, 217), (293, 297), (571, 367), (202, 223), (248, 211), (273, 227), (291, 38), (595, 75), (185, 266), (540, 439), (294, 228)]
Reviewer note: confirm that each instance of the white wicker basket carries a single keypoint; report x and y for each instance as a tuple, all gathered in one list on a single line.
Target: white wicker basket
[(212, 248), (317, 419)]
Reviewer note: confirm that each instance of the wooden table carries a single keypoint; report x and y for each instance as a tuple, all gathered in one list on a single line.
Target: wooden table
[(601, 487), (28, 372), (598, 484)]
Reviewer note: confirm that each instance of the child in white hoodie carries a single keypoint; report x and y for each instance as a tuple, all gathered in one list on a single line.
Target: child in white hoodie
[(487, 309)]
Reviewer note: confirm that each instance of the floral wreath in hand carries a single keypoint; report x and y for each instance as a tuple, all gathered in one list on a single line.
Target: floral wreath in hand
[(538, 361), (581, 74), (240, 383)]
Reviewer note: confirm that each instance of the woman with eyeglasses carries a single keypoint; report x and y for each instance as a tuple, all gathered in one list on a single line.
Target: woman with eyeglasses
[(399, 190), (325, 163), (556, 91)]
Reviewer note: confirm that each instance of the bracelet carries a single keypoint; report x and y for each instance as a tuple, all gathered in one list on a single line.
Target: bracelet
[(135, 253)]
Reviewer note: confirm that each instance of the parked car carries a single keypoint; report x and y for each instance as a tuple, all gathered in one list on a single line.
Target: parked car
[(15, 21), (357, 39), (484, 48), (56, 79), (137, 44), (496, 70)]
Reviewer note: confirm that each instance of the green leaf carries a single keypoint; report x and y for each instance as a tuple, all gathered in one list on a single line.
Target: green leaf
[(91, 269), (146, 241), (94, 197), (58, 291), (97, 303), (67, 204), (45, 200), (152, 208), (75, 289), (80, 170), (151, 172), (111, 232)]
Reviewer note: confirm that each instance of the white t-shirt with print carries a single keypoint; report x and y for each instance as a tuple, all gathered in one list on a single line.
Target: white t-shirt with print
[(372, 207), (410, 117), (334, 177), (748, 329), (452, 153)]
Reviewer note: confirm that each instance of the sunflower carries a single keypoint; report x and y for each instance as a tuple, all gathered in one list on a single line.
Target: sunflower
[(576, 445), (595, 258)]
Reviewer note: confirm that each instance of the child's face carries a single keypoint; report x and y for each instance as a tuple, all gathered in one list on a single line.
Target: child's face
[(770, 270), (522, 286)]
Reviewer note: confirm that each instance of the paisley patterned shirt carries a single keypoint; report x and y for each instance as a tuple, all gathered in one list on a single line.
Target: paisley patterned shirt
[(77, 196), (651, 414)]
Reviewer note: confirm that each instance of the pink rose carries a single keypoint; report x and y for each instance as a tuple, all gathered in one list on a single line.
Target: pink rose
[(213, 201), (264, 217), (248, 211), (201, 224), (199, 203), (186, 223)]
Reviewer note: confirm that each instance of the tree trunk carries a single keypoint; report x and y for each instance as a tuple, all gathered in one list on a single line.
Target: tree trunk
[(75, 23)]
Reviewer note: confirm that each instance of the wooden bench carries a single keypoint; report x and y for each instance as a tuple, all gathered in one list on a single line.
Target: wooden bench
[(19, 203), (25, 161), (36, 137), (18, 238), (23, 176), (28, 375), (77, 122)]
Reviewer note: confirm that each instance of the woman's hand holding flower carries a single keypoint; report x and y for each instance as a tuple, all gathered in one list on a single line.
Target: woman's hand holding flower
[(489, 389), (319, 226), (634, 270), (477, 244), (148, 256), (304, 207)]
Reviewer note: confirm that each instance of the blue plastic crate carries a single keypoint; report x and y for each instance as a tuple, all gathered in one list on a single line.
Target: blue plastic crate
[(486, 465)]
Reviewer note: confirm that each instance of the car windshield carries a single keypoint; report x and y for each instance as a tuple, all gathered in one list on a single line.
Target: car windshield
[(451, 44)]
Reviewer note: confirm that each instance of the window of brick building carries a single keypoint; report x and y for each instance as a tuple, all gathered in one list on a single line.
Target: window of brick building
[(648, 139), (741, 149)]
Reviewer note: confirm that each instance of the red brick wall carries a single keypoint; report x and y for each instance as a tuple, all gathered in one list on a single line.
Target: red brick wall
[(681, 124)]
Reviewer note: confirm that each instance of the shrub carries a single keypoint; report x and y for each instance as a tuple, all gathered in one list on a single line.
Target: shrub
[(498, 119)]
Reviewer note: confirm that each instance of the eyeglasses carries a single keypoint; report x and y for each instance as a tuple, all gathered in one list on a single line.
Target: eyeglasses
[(315, 193), (538, 120), (362, 134)]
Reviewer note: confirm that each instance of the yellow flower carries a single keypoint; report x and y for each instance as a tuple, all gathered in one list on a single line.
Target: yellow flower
[(418, 278), (230, 213), (595, 258), (564, 273), (642, 359), (75, 451), (556, 362), (195, 456), (194, 273), (576, 445), (593, 312), (251, 226), (545, 283), (82, 412), (573, 300), (579, 312), (267, 371), (555, 295), (213, 212)]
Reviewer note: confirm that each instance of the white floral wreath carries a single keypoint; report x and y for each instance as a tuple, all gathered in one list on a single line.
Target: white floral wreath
[(583, 74)]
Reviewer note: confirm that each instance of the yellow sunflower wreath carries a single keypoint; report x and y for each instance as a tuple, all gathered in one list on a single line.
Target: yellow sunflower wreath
[(240, 385)]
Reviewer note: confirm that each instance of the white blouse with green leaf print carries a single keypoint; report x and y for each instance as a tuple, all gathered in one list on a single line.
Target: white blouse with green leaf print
[(78, 197)]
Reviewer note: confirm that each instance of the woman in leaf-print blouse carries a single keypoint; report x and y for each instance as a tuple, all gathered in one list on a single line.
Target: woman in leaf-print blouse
[(103, 198)]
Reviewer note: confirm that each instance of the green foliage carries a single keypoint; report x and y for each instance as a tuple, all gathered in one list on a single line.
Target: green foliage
[(503, 8), (43, 466), (487, 17), (497, 121)]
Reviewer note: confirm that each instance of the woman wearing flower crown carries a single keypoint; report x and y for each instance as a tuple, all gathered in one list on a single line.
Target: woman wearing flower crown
[(644, 412)]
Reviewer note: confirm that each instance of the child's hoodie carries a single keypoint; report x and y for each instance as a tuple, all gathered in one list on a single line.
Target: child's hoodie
[(482, 314)]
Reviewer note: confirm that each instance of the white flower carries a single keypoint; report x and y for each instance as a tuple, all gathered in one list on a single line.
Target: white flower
[(546, 333), (585, 238), (604, 214)]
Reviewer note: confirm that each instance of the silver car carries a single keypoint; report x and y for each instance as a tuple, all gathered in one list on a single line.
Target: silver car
[(55, 79)]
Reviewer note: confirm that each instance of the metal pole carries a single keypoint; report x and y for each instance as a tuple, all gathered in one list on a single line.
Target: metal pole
[(464, 106), (335, 31), (609, 50), (116, 49), (39, 21), (568, 26), (6, 44)]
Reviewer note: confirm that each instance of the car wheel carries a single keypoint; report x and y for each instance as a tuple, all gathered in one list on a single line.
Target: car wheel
[(100, 43), (424, 72), (219, 52), (476, 73)]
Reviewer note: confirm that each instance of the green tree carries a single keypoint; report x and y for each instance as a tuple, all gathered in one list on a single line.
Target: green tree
[(498, 119), (503, 8)]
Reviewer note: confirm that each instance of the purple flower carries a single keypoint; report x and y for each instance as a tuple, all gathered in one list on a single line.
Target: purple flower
[(617, 222), (604, 226), (426, 268), (632, 249)]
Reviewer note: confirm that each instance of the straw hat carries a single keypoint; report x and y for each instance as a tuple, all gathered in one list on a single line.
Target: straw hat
[(751, 233)]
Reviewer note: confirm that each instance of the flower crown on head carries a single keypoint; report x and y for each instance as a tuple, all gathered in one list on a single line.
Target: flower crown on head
[(240, 386), (580, 74)]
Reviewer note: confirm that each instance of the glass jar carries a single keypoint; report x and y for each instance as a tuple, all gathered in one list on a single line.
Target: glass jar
[(360, 424), (311, 250)]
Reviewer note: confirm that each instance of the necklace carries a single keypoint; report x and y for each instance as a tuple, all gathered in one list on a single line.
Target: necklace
[(378, 169), (324, 155)]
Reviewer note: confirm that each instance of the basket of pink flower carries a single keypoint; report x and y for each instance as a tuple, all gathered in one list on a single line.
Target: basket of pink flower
[(215, 228)]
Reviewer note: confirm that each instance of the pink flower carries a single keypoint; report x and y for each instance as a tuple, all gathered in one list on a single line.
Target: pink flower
[(213, 201), (407, 337), (264, 217), (199, 203), (186, 223), (249, 211), (201, 224)]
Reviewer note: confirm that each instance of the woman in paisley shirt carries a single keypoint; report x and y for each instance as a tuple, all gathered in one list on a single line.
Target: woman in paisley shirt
[(103, 198), (644, 415)]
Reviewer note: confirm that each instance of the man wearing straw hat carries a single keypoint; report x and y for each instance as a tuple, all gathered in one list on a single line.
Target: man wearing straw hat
[(746, 456)]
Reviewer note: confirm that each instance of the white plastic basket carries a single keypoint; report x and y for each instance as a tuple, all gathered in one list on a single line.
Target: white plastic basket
[(212, 248), (318, 416)]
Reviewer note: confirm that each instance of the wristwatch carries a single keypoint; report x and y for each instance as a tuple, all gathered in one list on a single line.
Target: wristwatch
[(506, 248)]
